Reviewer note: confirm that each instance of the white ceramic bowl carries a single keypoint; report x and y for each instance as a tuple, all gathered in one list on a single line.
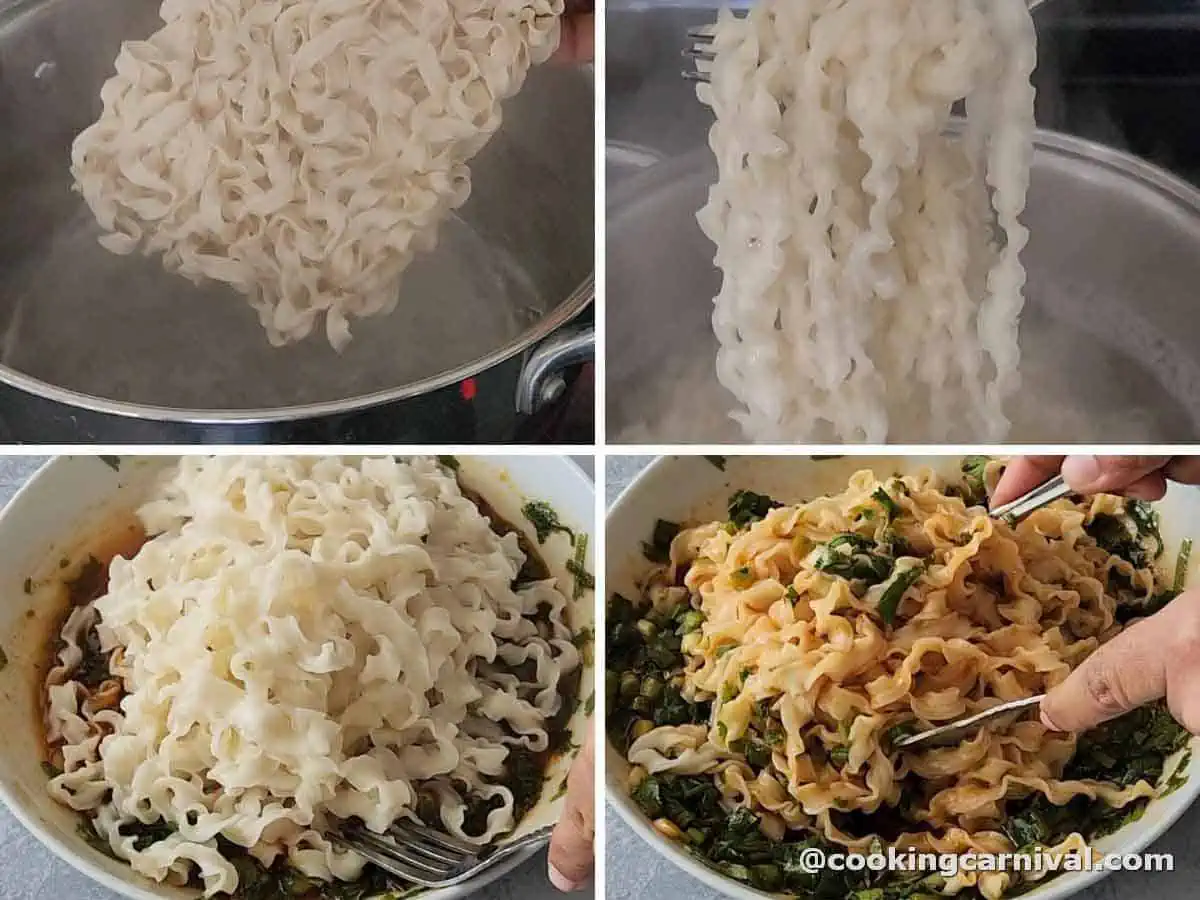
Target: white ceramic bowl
[(64, 509), (692, 488)]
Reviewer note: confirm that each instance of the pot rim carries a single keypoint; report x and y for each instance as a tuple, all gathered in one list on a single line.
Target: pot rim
[(560, 315)]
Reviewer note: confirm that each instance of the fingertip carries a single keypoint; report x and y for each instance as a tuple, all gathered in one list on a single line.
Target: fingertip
[(1048, 719), (1082, 472), (561, 881)]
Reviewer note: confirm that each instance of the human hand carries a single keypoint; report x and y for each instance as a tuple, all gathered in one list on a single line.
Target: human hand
[(1142, 477), (577, 44), (571, 852), (1153, 658)]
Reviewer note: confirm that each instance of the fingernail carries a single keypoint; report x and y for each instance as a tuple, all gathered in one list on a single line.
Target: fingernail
[(1047, 721), (561, 881), (1081, 472)]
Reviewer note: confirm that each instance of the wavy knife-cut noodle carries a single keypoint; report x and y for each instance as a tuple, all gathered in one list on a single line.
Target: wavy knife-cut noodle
[(303, 151), (793, 653), (302, 639), (872, 282)]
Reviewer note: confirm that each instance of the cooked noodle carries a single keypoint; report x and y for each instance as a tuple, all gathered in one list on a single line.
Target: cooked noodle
[(303, 151), (823, 626), (303, 639), (866, 295)]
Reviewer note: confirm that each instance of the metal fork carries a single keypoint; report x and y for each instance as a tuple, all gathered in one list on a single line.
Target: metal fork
[(433, 859), (702, 37), (954, 732)]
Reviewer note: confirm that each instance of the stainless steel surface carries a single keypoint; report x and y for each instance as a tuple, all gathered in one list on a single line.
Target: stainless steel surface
[(954, 732), (542, 380), (431, 858), (1108, 335), (1042, 495), (119, 334)]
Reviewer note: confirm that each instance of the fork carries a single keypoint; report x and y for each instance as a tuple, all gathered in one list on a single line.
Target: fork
[(433, 859), (953, 732), (703, 57)]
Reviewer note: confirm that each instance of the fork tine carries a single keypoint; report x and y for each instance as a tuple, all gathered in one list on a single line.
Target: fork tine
[(698, 53), (701, 35), (434, 869), (408, 830), (386, 862), (689, 75)]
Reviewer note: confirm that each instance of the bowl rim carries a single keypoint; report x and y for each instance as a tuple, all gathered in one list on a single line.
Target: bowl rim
[(134, 886), (1064, 884)]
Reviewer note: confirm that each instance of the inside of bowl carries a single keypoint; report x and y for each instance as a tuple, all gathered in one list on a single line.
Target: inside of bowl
[(68, 512), (656, 495)]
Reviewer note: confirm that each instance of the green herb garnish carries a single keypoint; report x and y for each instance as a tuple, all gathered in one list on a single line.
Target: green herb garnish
[(577, 566), (658, 550), (746, 507), (545, 520), (855, 558), (901, 581), (974, 469), (891, 509)]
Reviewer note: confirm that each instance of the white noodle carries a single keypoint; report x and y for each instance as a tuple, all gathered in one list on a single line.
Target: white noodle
[(304, 640), (303, 151), (865, 295)]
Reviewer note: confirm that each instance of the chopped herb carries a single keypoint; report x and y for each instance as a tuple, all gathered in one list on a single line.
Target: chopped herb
[(1179, 777), (839, 755), (746, 507), (851, 556), (791, 593), (589, 705), (658, 550), (577, 566), (545, 520), (1145, 520), (1181, 565), (891, 509), (974, 469), (1115, 534), (51, 770), (901, 581), (113, 462), (450, 462), (1128, 611), (824, 458), (718, 461)]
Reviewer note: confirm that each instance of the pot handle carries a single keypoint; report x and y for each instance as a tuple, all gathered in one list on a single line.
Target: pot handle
[(541, 381)]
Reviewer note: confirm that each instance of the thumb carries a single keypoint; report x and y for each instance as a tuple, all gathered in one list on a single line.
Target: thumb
[(1138, 476), (571, 844), (1127, 672)]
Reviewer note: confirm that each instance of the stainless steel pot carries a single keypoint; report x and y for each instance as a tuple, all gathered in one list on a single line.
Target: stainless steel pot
[(98, 347), (1109, 336)]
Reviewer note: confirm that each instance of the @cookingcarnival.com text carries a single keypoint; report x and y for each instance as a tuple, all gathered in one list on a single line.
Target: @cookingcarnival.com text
[(813, 860)]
